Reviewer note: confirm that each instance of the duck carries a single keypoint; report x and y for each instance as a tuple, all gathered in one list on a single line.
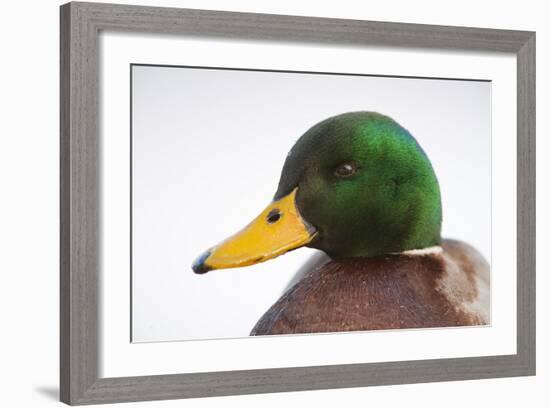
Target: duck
[(359, 188)]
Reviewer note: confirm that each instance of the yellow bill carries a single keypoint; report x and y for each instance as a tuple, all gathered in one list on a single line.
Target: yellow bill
[(278, 229)]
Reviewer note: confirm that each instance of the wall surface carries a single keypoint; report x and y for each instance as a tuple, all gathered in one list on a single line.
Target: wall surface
[(29, 209)]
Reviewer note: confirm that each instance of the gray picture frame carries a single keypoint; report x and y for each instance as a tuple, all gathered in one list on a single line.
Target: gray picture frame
[(80, 158)]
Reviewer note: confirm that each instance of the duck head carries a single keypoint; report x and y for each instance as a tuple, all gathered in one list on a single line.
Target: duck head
[(354, 185)]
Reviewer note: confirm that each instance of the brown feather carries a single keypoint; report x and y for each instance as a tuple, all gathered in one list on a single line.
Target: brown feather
[(388, 292)]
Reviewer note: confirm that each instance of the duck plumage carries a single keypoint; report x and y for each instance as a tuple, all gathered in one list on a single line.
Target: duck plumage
[(449, 287)]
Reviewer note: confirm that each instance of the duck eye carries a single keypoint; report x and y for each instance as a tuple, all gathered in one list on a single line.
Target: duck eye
[(345, 170)]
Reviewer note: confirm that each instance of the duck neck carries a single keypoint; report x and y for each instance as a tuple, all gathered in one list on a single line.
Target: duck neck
[(385, 231)]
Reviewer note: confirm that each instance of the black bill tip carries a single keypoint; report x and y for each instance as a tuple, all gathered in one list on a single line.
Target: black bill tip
[(199, 266)]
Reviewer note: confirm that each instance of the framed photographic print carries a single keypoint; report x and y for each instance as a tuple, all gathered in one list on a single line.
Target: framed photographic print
[(259, 203)]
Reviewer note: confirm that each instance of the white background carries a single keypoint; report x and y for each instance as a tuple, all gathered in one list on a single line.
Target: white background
[(208, 148), (29, 174)]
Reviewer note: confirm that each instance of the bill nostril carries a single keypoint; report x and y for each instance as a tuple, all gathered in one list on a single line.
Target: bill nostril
[(274, 216)]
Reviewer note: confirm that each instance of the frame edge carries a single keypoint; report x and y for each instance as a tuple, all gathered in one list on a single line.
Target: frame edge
[(79, 198), (64, 215), (526, 204)]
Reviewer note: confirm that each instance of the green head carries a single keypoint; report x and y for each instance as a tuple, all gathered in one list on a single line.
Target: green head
[(354, 185), (366, 186)]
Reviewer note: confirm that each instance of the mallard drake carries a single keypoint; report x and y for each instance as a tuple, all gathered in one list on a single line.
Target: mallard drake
[(359, 187)]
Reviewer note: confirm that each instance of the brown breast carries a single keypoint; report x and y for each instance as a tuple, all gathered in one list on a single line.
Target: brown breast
[(389, 292)]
